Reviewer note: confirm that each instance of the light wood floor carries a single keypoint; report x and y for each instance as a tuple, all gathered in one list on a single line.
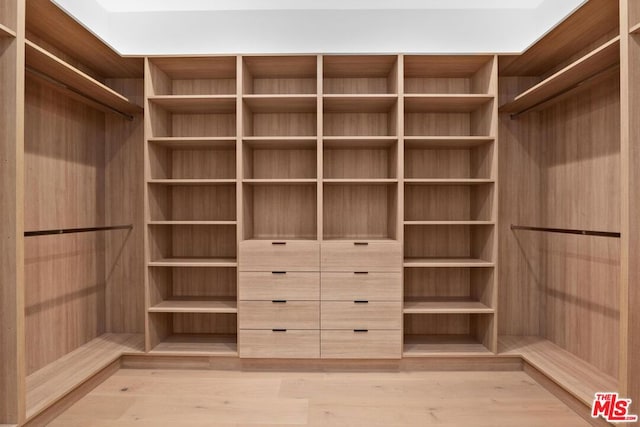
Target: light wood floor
[(155, 398)]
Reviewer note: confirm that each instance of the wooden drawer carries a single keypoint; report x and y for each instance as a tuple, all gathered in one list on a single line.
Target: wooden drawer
[(292, 286), (361, 256), (286, 315), (291, 344), (279, 255), (374, 286), (361, 345), (361, 315)]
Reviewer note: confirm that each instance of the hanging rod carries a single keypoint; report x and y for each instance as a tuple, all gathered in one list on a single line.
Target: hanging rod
[(590, 79), (568, 231), (63, 86), (77, 230)]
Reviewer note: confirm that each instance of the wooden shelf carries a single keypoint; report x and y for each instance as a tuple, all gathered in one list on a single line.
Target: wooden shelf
[(635, 29), (570, 372), (444, 103), (446, 142), (443, 345), (569, 77), (47, 385), (445, 306), (281, 103), (194, 142), (276, 142), (280, 181), (6, 31), (366, 103), (192, 181), (446, 262), (195, 306), (359, 141), (45, 63), (446, 181), (193, 222), (203, 104), (449, 223), (197, 344), (194, 262), (369, 181)]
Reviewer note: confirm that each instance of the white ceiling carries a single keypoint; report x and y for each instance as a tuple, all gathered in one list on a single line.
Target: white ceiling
[(165, 27), (192, 5)]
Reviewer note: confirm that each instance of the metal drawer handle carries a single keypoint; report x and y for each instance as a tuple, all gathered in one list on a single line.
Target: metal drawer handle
[(278, 272), (360, 330), (361, 243), (361, 301), (360, 272), (279, 301), (278, 243), (278, 330)]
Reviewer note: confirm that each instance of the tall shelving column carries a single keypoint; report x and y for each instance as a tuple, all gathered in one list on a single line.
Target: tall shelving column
[(450, 205), (12, 333), (191, 212)]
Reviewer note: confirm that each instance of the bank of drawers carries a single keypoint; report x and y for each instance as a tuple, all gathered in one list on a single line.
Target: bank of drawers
[(338, 299), (279, 293)]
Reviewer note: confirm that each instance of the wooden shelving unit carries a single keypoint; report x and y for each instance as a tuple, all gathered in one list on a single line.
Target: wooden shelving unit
[(69, 77), (50, 383), (444, 306), (443, 346), (192, 219), (460, 262), (586, 67)]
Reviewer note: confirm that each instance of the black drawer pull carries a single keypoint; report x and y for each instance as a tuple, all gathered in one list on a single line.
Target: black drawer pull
[(278, 272), (360, 272), (278, 243), (279, 301), (361, 243), (361, 301), (278, 330), (360, 330)]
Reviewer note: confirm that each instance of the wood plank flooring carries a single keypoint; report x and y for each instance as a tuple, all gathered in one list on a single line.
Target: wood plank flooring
[(189, 398)]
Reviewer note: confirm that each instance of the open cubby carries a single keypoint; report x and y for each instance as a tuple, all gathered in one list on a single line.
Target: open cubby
[(279, 117), (193, 76), (216, 162), (192, 289), (360, 74), (448, 286), (429, 334), (360, 116), (441, 160), (193, 333), (449, 202), (362, 159), (280, 211), (280, 74), (447, 74), (284, 159), (168, 122), (192, 202), (185, 242), (360, 211), (425, 116), (449, 242)]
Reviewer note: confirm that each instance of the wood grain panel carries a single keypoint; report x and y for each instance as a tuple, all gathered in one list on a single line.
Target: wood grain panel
[(285, 315), (358, 315), (288, 285), (361, 345), (290, 344), (372, 286)]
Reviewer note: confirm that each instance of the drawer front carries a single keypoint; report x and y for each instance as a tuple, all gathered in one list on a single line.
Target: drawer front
[(361, 345), (279, 315), (361, 315), (279, 255), (290, 344), (361, 256), (289, 285), (372, 286)]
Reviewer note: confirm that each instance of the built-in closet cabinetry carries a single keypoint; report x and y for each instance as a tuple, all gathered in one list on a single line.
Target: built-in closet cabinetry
[(319, 206)]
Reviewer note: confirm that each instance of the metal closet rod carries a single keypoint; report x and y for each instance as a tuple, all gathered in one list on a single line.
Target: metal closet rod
[(77, 230), (567, 231)]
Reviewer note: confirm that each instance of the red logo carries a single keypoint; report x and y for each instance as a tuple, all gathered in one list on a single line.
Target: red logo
[(612, 408)]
